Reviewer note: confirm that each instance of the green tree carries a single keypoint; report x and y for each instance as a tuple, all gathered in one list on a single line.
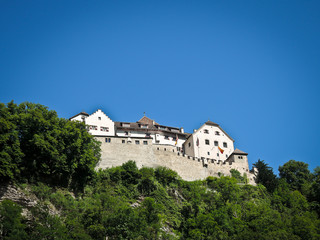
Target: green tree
[(297, 175), (165, 175), (265, 175), (237, 175), (11, 226), (10, 152), (37, 145)]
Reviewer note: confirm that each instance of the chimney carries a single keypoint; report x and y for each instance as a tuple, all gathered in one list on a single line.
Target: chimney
[(194, 130), (181, 130)]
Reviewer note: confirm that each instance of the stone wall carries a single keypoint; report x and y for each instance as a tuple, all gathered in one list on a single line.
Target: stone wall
[(118, 151)]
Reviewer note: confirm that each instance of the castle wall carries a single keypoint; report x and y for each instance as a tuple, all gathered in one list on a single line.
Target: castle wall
[(145, 154)]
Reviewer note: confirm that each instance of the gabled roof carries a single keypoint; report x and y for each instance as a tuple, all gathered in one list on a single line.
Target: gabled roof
[(239, 152), (236, 152), (211, 123), (82, 113), (146, 120)]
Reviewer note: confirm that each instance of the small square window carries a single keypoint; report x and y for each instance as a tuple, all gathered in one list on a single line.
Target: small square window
[(137, 142), (225, 145), (218, 154), (217, 133), (227, 156), (189, 144), (99, 118), (108, 140), (123, 141), (216, 143), (145, 142), (207, 142), (166, 137), (206, 131), (208, 153)]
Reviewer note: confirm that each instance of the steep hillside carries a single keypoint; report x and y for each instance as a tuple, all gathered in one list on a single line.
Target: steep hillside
[(49, 189)]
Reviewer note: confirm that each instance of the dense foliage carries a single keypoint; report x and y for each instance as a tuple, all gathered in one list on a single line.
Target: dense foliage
[(127, 203), (54, 159), (36, 145)]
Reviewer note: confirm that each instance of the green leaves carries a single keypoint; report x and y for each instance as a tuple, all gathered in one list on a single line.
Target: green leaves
[(36, 145), (265, 175), (297, 175)]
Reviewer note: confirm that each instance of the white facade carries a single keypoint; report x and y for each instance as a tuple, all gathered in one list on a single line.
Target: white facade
[(210, 141), (157, 138), (206, 141), (99, 124)]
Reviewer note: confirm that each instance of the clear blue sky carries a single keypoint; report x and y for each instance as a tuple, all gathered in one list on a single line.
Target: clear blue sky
[(251, 66)]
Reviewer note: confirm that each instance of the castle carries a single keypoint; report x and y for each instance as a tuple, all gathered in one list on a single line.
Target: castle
[(208, 151)]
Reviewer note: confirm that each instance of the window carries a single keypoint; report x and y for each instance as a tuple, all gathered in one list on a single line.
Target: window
[(227, 156), (108, 140), (206, 131), (104, 129), (148, 135), (207, 141), (240, 157), (218, 154), (123, 141), (125, 124), (137, 142), (126, 133), (189, 144), (144, 126), (217, 133), (225, 145), (99, 118), (145, 142), (216, 143), (162, 128), (92, 127), (208, 153), (166, 137)]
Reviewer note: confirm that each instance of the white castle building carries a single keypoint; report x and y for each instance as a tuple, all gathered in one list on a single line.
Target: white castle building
[(210, 148)]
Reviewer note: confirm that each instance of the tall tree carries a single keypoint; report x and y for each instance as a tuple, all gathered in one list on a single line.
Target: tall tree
[(265, 175), (297, 175), (10, 152), (35, 144)]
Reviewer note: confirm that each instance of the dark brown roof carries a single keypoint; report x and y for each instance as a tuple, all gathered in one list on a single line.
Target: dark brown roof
[(146, 120), (239, 152), (211, 123), (151, 128), (82, 113), (236, 152)]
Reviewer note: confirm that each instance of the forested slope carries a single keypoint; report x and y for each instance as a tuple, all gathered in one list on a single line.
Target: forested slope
[(51, 161)]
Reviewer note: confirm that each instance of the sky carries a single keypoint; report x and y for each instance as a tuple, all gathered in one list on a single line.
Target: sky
[(253, 67)]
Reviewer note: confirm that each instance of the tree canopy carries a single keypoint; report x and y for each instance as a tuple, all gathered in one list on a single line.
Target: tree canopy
[(35, 144)]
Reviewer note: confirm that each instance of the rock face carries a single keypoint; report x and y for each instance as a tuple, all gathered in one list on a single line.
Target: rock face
[(13, 193)]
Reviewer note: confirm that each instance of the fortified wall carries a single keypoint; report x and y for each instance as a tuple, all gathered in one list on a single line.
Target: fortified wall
[(117, 150)]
